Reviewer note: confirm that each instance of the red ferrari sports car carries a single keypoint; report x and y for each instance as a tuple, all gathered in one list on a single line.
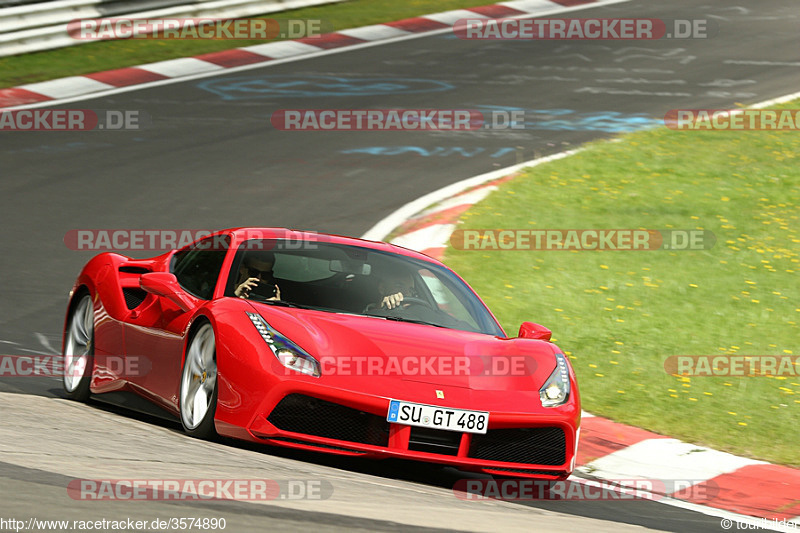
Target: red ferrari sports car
[(324, 343)]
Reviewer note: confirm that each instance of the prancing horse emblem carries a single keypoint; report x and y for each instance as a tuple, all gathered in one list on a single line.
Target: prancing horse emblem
[(440, 394)]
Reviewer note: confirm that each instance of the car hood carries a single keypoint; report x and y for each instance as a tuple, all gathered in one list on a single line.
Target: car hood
[(353, 345)]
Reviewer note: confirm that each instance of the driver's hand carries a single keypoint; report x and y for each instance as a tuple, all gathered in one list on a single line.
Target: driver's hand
[(277, 294), (392, 301), (243, 290)]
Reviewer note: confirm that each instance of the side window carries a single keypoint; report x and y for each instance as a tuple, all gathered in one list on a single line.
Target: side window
[(446, 299), (197, 268)]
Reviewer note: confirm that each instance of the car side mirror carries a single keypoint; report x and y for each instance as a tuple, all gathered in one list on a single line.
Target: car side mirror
[(166, 285), (531, 330)]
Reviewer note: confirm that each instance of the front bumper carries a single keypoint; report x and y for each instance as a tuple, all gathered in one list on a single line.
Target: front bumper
[(539, 445)]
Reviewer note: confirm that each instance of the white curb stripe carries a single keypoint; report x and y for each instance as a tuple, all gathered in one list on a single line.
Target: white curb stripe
[(375, 32), (282, 49), (528, 6), (66, 87), (450, 17), (184, 66), (666, 459), (434, 236)]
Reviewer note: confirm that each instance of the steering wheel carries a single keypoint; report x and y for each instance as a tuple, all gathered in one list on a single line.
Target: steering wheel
[(409, 300), (415, 301)]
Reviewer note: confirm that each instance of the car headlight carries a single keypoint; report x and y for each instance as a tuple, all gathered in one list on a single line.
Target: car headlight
[(288, 353), (555, 390)]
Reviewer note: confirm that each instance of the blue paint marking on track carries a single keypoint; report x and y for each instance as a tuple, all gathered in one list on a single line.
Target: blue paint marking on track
[(571, 120), (311, 86)]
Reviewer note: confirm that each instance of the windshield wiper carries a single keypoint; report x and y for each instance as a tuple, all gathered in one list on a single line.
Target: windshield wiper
[(282, 303), (411, 320)]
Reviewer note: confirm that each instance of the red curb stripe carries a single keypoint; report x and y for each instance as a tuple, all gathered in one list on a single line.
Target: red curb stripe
[(417, 25), (16, 96), (123, 77), (496, 11), (768, 491), (601, 437), (446, 216), (437, 253), (331, 40), (233, 58)]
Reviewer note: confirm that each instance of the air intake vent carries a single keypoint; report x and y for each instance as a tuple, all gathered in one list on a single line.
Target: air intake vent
[(133, 297), (434, 441), (134, 270), (299, 413), (536, 446)]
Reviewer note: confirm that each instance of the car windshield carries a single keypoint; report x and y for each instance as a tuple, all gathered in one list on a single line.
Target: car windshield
[(355, 280)]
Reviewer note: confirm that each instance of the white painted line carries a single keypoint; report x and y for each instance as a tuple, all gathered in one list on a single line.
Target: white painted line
[(776, 101), (37, 352), (67, 87), (183, 66), (450, 17), (384, 227), (374, 32), (528, 6), (433, 236), (44, 342), (584, 414), (282, 49), (667, 459)]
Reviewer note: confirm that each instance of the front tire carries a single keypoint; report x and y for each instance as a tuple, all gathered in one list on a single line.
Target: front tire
[(79, 350), (199, 384)]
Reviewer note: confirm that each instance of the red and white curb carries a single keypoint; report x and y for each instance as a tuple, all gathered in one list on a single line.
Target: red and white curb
[(215, 63), (723, 485)]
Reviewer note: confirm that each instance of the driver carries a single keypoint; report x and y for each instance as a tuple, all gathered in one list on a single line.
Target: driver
[(395, 287), (256, 268)]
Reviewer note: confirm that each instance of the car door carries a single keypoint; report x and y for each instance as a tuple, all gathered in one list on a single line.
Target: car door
[(155, 336)]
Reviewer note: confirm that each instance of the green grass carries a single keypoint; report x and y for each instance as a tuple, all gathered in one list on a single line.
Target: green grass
[(95, 57), (619, 314)]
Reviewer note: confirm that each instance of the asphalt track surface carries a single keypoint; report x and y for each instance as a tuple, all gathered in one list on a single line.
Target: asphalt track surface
[(208, 157)]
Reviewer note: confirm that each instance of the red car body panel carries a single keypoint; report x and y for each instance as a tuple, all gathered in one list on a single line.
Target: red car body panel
[(251, 382)]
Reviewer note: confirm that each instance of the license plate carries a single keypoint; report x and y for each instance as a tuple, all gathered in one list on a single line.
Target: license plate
[(431, 416)]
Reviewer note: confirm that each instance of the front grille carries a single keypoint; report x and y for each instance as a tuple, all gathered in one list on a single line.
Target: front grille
[(299, 413), (133, 296), (525, 471), (434, 441), (539, 446)]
